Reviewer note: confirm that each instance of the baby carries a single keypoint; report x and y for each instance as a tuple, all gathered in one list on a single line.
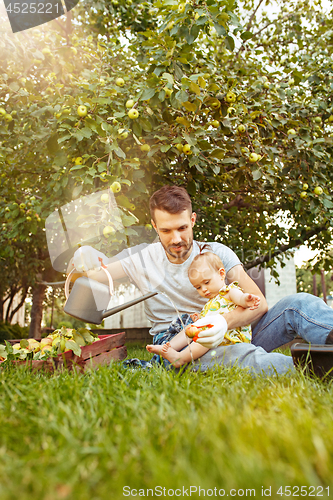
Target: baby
[(207, 275)]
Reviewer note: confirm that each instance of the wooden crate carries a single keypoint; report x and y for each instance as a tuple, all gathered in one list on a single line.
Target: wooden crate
[(107, 348)]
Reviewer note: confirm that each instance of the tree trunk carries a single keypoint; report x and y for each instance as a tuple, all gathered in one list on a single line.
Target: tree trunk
[(38, 294)]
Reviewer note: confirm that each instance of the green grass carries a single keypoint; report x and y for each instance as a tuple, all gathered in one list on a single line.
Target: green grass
[(77, 437)]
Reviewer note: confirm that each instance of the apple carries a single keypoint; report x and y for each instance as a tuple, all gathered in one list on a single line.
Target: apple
[(253, 158), (167, 91), (8, 118), (266, 85), (2, 112), (107, 231), (46, 51), (330, 118), (120, 82), (230, 97), (105, 198), (305, 187), (179, 147), (132, 206), (149, 227), (181, 7), (16, 346), (291, 131), (82, 111), (192, 331), (241, 128), (245, 150), (122, 133), (66, 111), (22, 205), (197, 15), (78, 160), (133, 114), (187, 149), (145, 147), (215, 123), (318, 190), (115, 187), (231, 110), (33, 345), (303, 194), (317, 119), (129, 103)]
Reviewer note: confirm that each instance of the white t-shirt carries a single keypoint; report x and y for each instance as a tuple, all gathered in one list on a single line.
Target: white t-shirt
[(148, 267)]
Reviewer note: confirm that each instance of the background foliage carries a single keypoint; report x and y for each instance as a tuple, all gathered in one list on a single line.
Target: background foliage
[(247, 92)]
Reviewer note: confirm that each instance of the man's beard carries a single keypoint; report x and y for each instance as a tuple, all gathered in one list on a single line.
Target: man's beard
[(187, 249)]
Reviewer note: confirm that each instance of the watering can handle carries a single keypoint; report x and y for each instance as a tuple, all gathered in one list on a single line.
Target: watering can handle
[(68, 279)]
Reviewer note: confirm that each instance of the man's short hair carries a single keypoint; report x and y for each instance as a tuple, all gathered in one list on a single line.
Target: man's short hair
[(171, 199)]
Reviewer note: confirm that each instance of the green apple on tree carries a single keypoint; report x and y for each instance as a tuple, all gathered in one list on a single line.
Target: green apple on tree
[(305, 187), (230, 97), (215, 123), (187, 149), (291, 131), (82, 111), (8, 118), (145, 148), (179, 147), (303, 194), (2, 112), (253, 158), (120, 82), (133, 114), (115, 187), (318, 190), (105, 198), (130, 103), (167, 91), (122, 133), (108, 231), (241, 128)]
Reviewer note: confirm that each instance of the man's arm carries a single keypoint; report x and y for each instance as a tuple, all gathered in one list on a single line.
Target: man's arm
[(88, 260), (239, 316)]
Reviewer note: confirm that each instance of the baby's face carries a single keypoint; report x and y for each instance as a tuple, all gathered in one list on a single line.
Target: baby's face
[(206, 281)]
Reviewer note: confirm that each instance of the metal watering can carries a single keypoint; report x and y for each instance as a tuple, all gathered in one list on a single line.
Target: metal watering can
[(89, 299)]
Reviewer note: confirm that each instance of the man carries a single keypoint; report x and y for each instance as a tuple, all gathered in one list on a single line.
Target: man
[(163, 267)]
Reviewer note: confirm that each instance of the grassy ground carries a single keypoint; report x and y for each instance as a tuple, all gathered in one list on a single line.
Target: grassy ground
[(78, 437)]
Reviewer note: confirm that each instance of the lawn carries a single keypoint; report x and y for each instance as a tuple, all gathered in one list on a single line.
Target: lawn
[(109, 433)]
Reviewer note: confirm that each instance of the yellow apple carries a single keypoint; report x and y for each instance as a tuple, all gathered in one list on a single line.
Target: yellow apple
[(303, 194), (318, 190), (82, 111), (129, 103), (187, 149), (179, 147), (122, 133), (241, 128), (107, 231), (253, 158), (215, 123), (120, 82), (145, 148), (230, 97), (105, 198), (167, 91), (115, 187), (78, 160), (133, 114), (291, 131)]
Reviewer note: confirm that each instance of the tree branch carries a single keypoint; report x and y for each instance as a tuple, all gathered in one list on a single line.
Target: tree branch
[(284, 248)]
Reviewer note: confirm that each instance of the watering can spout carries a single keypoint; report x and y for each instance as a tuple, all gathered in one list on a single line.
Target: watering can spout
[(89, 299)]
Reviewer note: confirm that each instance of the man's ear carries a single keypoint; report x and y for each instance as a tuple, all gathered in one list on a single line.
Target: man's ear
[(153, 224), (193, 218)]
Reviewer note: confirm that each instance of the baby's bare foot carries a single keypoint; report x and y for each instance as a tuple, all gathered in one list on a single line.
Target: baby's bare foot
[(171, 355), (155, 349)]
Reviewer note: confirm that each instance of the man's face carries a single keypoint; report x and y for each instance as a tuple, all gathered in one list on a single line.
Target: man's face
[(175, 233)]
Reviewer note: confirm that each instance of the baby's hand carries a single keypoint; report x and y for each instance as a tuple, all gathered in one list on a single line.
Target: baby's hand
[(251, 301)]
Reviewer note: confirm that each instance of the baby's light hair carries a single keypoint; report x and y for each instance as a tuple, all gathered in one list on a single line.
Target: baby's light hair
[(212, 261)]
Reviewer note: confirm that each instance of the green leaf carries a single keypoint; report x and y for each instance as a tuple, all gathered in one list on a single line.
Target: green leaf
[(218, 154), (220, 30), (190, 106), (147, 94), (246, 35), (53, 144), (165, 148), (230, 43), (168, 78), (73, 346), (256, 174)]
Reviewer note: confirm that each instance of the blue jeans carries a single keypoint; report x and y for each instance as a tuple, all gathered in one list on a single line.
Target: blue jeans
[(301, 315)]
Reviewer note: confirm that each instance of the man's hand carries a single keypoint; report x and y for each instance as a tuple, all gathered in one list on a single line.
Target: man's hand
[(88, 258), (212, 337)]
